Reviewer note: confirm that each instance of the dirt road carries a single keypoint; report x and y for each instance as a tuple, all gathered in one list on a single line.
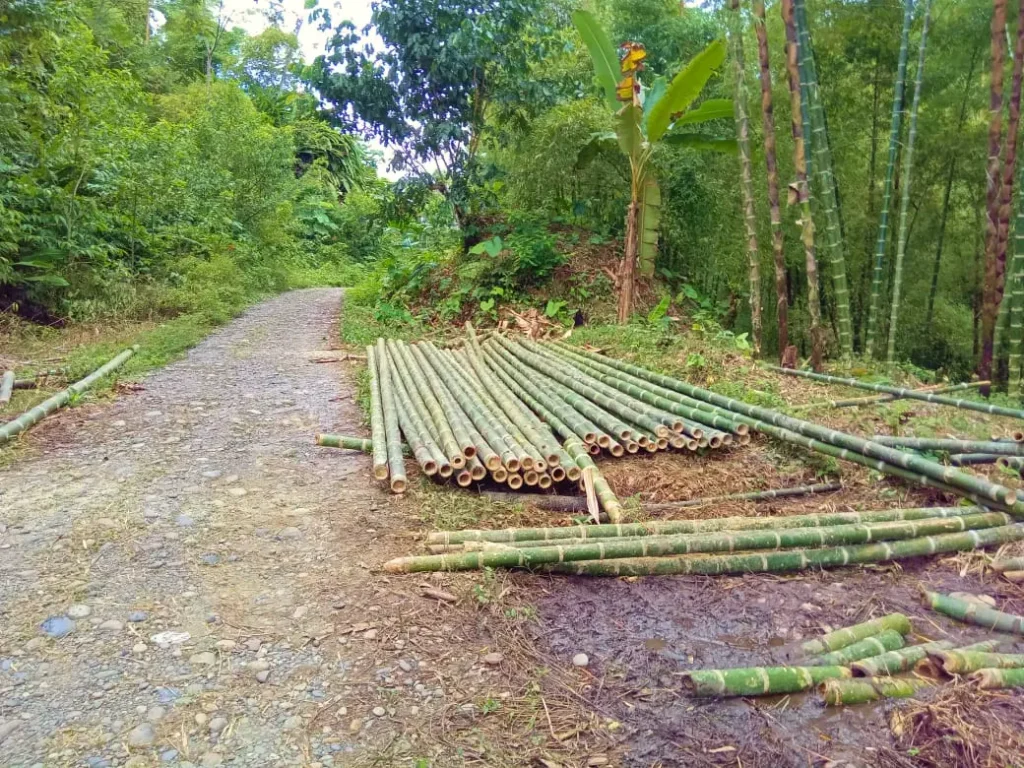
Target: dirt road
[(185, 579)]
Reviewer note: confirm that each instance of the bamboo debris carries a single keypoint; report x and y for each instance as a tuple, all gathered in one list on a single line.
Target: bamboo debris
[(862, 690), (841, 638), (988, 679), (963, 661), (969, 405), (62, 398), (884, 641), (1004, 564), (973, 613), (759, 681)]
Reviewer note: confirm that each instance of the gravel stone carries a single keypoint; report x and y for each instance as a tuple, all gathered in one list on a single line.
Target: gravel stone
[(141, 736), (79, 611), (580, 660)]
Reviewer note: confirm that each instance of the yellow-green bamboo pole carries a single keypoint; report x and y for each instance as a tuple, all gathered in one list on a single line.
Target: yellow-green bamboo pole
[(973, 613), (378, 434), (759, 681), (396, 465)]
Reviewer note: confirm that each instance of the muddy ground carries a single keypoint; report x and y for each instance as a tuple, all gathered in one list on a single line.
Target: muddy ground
[(198, 504)]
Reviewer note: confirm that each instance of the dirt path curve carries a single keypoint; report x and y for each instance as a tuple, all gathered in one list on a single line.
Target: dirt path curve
[(199, 505)]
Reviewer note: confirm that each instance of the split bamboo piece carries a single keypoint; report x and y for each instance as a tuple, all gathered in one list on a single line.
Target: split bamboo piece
[(62, 398), (656, 546), (886, 640), (973, 613), (905, 658), (759, 681), (841, 638), (988, 679), (863, 690), (6, 387), (970, 405)]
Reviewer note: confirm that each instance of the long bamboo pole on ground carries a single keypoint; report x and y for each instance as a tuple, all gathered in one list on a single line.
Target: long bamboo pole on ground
[(884, 641), (801, 161), (873, 399), (962, 661), (426, 452), (728, 541), (972, 459), (578, 503), (905, 658), (832, 442), (996, 447), (746, 181), (911, 394), (442, 430), (794, 560), (708, 525), (908, 163), (378, 436), (396, 465), (973, 613), (6, 387), (844, 692), (771, 164), (846, 636), (759, 681), (881, 243), (1004, 564), (33, 416), (609, 502)]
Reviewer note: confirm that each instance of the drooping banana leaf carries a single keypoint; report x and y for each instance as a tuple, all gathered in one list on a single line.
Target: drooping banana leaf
[(653, 95), (684, 88), (712, 109), (599, 142), (627, 130), (650, 218), (602, 52), (699, 141)]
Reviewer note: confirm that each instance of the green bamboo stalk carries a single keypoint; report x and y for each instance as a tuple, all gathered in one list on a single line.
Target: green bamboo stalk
[(908, 159), (927, 397), (426, 452), (894, 140), (33, 416), (38, 379), (1004, 564), (988, 679), (506, 446), (842, 638), (6, 387), (709, 525), (363, 444), (1013, 462), (971, 459), (997, 447), (746, 182), (396, 465), (605, 496), (972, 613), (585, 389), (905, 658), (579, 504), (801, 130), (874, 399), (658, 546), (759, 681), (823, 172), (961, 662), (378, 434), (442, 430), (889, 640), (850, 446), (1016, 301), (794, 560), (845, 692)]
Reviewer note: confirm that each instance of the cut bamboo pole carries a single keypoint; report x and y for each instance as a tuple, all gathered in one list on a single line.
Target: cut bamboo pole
[(795, 560), (426, 452), (884, 641), (988, 679), (841, 638), (658, 546), (1000, 448), (378, 436), (759, 681), (396, 465), (911, 394), (972, 459), (442, 427), (905, 658), (6, 387), (609, 501), (709, 525), (863, 690), (935, 389), (1004, 564), (62, 398), (850, 445), (972, 613), (963, 661)]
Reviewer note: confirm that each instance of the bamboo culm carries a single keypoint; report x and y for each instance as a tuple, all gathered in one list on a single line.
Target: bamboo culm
[(908, 161), (972, 613), (396, 465), (727, 541), (841, 638), (6, 387), (378, 434), (887, 640), (858, 401), (863, 690), (997, 447), (905, 658), (62, 398), (961, 662), (969, 405), (988, 679), (795, 560), (759, 681), (894, 140)]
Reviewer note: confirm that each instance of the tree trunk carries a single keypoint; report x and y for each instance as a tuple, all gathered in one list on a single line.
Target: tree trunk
[(771, 162), (908, 160), (894, 141), (800, 186), (746, 182), (627, 269), (994, 270), (828, 195)]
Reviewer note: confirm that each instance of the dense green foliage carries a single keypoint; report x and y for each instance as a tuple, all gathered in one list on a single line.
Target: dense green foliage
[(150, 170)]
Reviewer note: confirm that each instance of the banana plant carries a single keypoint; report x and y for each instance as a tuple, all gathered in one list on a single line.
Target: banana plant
[(646, 117)]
